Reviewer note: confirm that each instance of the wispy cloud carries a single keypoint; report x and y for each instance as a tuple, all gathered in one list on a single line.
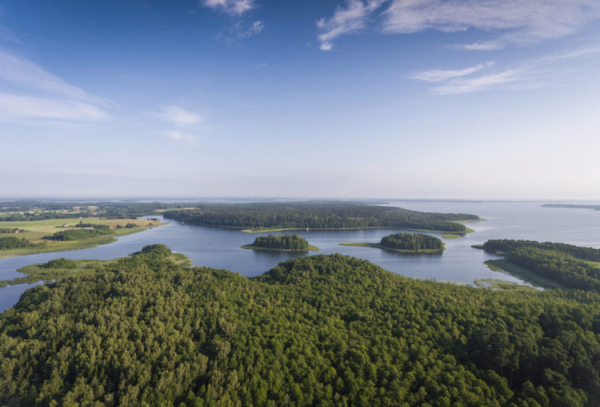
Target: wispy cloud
[(526, 75), (185, 121), (480, 83), (345, 20), (254, 29), (176, 135), (178, 116), (521, 21), (29, 91), (443, 75), (21, 106), (234, 7)]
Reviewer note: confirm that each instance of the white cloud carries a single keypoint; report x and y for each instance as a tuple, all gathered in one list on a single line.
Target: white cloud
[(178, 116), (443, 75), (522, 21), (21, 106), (346, 20), (30, 91), (526, 75), (180, 136), (235, 7)]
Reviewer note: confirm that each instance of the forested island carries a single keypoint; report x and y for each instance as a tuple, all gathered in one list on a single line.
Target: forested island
[(408, 243), (261, 217), (568, 265), (285, 243), (321, 330)]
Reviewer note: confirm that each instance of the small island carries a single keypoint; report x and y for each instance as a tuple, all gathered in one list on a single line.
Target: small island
[(281, 243), (407, 243)]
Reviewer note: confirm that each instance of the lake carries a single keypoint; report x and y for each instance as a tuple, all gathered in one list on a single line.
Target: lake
[(220, 248)]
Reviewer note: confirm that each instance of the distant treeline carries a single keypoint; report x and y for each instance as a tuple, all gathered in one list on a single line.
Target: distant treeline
[(91, 225), (77, 234), (318, 216), (8, 230), (14, 243), (412, 241), (314, 331), (564, 263), (35, 210), (282, 242), (570, 206)]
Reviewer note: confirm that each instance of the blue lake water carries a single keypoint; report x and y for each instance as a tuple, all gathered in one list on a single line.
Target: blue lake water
[(220, 248)]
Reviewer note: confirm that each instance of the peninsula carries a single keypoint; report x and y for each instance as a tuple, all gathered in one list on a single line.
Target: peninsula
[(267, 217)]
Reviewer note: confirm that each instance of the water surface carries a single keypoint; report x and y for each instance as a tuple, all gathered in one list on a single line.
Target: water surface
[(220, 248)]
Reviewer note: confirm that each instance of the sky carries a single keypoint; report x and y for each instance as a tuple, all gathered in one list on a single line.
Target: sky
[(437, 99)]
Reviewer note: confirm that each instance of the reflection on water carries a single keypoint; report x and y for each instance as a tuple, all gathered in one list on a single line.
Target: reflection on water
[(220, 248)]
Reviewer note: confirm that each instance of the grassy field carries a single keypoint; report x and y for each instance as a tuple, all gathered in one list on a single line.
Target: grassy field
[(34, 231), (37, 272), (451, 236), (379, 246), (469, 221), (504, 285), (521, 272), (269, 249)]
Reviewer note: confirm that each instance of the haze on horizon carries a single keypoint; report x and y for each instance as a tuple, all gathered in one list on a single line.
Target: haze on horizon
[(326, 99)]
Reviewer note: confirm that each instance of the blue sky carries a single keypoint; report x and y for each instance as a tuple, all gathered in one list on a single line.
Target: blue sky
[(487, 99)]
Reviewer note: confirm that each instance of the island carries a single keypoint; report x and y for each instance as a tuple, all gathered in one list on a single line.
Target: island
[(268, 217), (281, 243), (551, 265), (319, 330), (407, 243), (56, 235)]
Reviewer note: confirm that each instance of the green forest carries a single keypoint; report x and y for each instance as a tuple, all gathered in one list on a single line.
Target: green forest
[(315, 331), (281, 242), (309, 215), (12, 242), (569, 265), (412, 241), (78, 234)]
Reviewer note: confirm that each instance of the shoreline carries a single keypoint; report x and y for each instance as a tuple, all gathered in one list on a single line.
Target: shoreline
[(272, 249), (390, 249), (66, 246)]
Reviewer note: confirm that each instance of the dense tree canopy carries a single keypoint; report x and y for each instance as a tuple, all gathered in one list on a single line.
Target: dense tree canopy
[(321, 330), (282, 242), (571, 266), (317, 216), (507, 246), (61, 263), (412, 241)]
